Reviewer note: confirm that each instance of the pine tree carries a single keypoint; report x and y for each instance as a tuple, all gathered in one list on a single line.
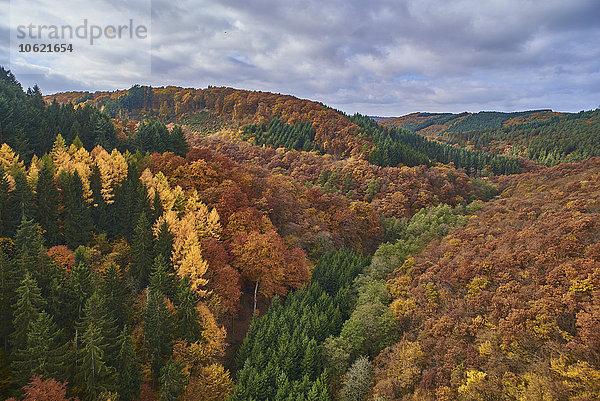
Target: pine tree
[(164, 243), (95, 312), (21, 200), (27, 309), (28, 250), (114, 294), (172, 381), (157, 207), (162, 277), (142, 249), (8, 286), (93, 376), (79, 287), (128, 369), (46, 200), (158, 329), (5, 206), (76, 215), (98, 207), (42, 354), (188, 321), (180, 146)]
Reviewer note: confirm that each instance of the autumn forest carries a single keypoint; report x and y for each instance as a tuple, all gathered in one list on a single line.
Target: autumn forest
[(168, 243)]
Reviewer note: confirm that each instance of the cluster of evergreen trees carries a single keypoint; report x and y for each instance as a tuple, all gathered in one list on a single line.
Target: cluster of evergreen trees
[(137, 97), (395, 146), (277, 134), (559, 139), (75, 326), (280, 358), (153, 136), (30, 127)]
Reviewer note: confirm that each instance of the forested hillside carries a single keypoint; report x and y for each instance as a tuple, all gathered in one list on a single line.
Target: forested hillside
[(294, 124), (221, 244), (544, 136)]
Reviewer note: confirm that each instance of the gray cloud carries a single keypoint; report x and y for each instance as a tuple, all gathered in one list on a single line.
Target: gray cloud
[(381, 57)]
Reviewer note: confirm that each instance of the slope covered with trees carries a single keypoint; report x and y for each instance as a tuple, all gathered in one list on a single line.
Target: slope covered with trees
[(504, 308), (213, 244), (544, 136)]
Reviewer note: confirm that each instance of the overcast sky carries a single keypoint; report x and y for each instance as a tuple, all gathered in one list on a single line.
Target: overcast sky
[(375, 57)]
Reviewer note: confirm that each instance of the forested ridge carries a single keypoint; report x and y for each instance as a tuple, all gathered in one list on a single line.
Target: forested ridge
[(218, 244), (543, 136)]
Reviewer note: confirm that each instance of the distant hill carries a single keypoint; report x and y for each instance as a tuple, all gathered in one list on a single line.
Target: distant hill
[(543, 136), (288, 122)]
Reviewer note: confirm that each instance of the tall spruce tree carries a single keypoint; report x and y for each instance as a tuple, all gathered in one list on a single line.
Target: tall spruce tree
[(172, 381), (28, 250), (95, 312), (188, 321), (27, 309), (92, 375), (21, 200), (179, 143), (164, 243), (128, 369), (162, 277), (43, 354), (76, 217), (5, 207), (115, 295), (158, 329), (142, 249), (98, 207), (46, 201)]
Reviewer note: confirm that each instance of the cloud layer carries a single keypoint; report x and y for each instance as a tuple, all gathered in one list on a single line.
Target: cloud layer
[(383, 57)]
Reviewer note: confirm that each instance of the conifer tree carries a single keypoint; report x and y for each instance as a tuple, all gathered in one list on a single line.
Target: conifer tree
[(42, 354), (142, 249), (188, 321), (172, 381), (92, 375), (5, 207), (98, 207), (164, 243), (158, 329), (114, 293), (162, 277), (180, 146), (8, 286), (128, 368), (28, 250), (76, 215), (27, 309), (46, 200), (95, 312), (79, 287), (21, 200)]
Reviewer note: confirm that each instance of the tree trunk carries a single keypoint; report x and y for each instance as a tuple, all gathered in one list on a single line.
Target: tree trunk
[(255, 291)]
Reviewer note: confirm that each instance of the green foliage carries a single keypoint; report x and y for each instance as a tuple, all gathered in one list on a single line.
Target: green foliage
[(142, 250), (158, 330), (30, 127), (395, 146), (77, 222), (27, 309), (188, 320), (562, 138), (277, 134), (357, 381), (46, 202), (93, 376), (129, 377), (43, 354), (279, 358), (172, 381)]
